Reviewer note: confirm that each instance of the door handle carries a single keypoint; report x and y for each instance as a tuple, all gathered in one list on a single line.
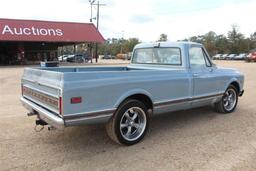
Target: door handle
[(195, 75), (210, 69)]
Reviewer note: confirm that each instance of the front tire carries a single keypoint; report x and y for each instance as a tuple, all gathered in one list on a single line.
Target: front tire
[(129, 124), (229, 100)]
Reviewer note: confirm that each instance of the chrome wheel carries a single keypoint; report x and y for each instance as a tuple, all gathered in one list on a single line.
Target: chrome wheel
[(229, 99), (133, 123)]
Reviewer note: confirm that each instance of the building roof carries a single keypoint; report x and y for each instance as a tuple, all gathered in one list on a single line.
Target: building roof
[(48, 31)]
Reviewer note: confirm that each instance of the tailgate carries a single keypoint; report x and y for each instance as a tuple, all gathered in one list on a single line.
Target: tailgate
[(43, 88)]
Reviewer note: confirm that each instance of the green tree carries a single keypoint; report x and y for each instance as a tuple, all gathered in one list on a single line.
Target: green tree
[(252, 41), (236, 39), (209, 42), (162, 37), (235, 42), (221, 44), (129, 44), (197, 39), (114, 46)]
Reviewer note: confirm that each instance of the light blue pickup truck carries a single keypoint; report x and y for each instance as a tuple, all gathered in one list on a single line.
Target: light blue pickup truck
[(162, 77)]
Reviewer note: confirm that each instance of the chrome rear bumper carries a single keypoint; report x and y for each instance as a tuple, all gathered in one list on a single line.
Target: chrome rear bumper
[(43, 114)]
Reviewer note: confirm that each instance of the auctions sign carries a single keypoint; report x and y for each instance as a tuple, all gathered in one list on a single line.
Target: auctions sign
[(9, 30), (48, 31)]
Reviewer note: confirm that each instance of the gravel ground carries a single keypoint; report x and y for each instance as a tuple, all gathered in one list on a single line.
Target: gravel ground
[(198, 139)]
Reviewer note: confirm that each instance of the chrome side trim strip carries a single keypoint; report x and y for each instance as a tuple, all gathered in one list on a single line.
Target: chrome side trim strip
[(170, 102), (88, 120), (175, 101), (90, 114), (206, 97)]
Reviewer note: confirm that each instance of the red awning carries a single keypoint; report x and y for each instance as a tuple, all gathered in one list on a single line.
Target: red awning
[(48, 31)]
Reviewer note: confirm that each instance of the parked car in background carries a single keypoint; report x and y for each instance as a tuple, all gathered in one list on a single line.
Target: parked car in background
[(122, 56), (101, 56), (230, 56), (87, 57), (63, 58), (251, 57), (224, 56), (70, 58), (129, 55), (241, 56), (79, 58), (108, 57), (217, 56)]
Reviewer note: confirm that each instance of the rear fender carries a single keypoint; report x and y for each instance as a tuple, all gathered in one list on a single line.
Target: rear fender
[(130, 93)]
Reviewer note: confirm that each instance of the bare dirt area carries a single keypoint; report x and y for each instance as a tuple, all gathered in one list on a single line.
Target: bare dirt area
[(198, 139)]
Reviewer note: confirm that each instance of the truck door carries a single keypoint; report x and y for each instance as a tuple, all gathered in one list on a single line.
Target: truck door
[(204, 84)]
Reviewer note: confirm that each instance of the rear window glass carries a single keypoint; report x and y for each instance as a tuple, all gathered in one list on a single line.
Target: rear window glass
[(168, 56)]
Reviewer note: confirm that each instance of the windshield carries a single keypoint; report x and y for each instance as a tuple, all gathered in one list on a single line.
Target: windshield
[(168, 56)]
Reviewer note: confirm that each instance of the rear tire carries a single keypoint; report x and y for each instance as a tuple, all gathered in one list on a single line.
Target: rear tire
[(228, 102), (129, 124)]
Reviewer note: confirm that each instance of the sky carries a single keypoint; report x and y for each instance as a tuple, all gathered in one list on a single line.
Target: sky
[(143, 19)]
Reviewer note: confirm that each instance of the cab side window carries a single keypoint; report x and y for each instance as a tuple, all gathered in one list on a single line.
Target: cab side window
[(198, 57)]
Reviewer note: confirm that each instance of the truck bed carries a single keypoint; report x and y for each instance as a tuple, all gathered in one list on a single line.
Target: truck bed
[(56, 76), (86, 81)]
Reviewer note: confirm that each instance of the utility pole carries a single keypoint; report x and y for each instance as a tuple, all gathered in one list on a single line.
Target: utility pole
[(98, 11), (96, 47), (121, 50), (91, 3), (97, 25)]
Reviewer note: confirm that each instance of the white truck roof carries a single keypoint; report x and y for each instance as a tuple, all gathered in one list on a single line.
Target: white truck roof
[(165, 44)]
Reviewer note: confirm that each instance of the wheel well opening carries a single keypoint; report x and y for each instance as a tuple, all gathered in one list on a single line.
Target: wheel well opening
[(236, 86), (144, 99)]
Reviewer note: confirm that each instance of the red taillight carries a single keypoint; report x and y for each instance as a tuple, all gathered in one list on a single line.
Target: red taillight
[(60, 105), (75, 100)]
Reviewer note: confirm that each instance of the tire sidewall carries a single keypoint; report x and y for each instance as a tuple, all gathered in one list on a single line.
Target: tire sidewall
[(120, 112)]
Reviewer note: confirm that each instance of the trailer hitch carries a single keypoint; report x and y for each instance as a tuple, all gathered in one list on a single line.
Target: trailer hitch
[(39, 125)]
